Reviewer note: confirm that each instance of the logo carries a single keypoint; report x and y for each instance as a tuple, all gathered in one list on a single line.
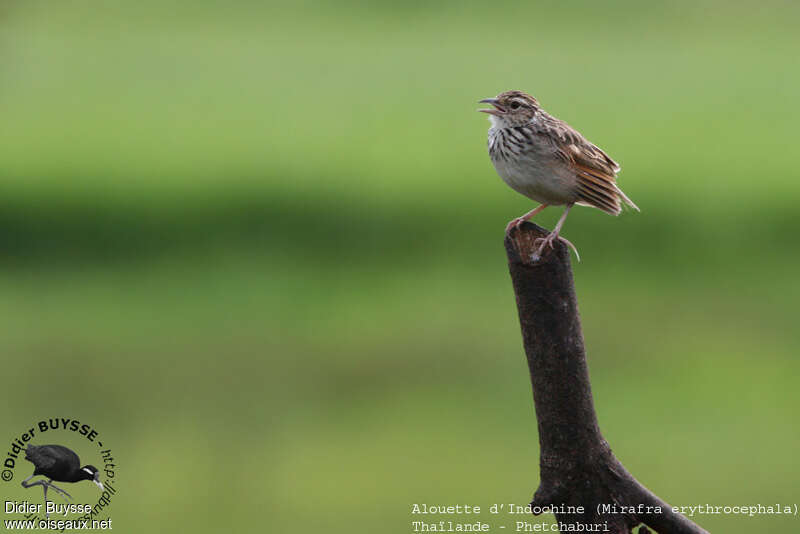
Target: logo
[(49, 462)]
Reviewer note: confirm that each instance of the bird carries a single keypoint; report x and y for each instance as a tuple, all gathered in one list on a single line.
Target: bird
[(58, 463), (547, 160)]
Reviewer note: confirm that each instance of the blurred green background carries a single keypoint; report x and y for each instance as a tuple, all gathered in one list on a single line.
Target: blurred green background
[(259, 248)]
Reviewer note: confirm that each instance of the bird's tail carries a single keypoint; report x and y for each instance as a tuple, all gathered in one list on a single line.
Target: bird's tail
[(625, 199)]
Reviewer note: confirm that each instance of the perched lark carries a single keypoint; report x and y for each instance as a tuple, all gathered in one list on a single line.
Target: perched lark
[(547, 160)]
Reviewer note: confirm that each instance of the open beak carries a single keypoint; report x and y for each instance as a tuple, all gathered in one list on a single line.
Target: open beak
[(99, 484), (497, 110)]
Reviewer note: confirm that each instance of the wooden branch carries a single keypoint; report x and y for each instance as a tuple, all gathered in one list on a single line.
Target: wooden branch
[(577, 466)]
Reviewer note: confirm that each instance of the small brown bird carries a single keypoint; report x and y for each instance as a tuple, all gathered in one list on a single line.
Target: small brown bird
[(547, 160)]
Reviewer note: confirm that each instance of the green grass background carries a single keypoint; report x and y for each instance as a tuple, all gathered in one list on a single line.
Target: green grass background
[(259, 248)]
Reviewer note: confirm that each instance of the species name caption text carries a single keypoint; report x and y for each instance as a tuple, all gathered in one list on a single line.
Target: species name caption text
[(423, 522)]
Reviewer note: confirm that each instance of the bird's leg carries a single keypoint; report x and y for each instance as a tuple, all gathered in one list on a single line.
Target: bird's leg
[(45, 485), (59, 490), (519, 220), (554, 235), (46, 513), (49, 484), (41, 483)]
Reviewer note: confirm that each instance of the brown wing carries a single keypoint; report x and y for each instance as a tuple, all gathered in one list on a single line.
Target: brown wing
[(596, 172)]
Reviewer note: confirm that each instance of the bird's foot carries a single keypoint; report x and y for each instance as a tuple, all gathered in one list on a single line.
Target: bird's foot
[(548, 241), (514, 224)]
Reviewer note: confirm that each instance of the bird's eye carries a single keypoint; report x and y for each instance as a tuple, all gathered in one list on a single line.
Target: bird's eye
[(515, 105)]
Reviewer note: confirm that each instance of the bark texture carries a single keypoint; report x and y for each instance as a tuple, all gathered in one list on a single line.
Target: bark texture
[(576, 463)]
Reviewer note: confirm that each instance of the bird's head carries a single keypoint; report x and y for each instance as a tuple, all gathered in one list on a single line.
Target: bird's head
[(90, 472), (512, 108)]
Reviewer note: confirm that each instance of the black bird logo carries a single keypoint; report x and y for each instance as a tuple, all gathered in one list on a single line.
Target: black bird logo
[(58, 463)]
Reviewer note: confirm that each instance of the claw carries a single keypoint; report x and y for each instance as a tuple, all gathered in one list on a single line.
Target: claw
[(549, 241), (574, 249), (514, 224)]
